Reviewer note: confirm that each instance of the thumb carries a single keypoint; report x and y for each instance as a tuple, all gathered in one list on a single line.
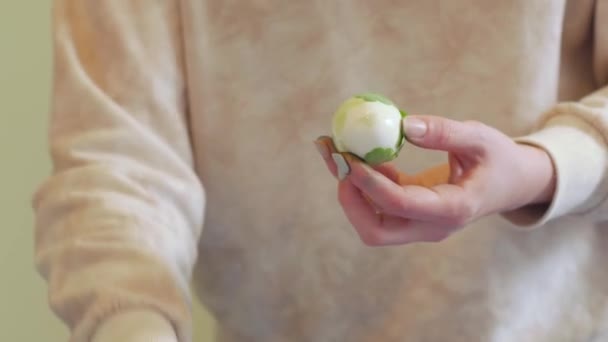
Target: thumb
[(438, 133)]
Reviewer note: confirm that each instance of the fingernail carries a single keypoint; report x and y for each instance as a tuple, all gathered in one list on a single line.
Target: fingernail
[(341, 164), (414, 128), (322, 149)]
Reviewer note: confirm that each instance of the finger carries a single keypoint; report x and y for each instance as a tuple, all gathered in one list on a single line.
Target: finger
[(384, 230), (391, 172), (438, 133), (361, 213), (326, 147), (414, 232), (429, 178), (410, 201)]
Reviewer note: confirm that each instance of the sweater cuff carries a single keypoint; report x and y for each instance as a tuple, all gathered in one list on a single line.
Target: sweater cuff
[(136, 326), (579, 156)]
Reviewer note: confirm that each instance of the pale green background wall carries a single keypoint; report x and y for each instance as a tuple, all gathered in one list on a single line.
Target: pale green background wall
[(25, 59)]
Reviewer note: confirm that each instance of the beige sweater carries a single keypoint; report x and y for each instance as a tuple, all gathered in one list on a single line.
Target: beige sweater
[(181, 136)]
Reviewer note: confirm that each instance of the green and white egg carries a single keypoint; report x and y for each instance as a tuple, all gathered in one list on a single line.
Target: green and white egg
[(370, 127)]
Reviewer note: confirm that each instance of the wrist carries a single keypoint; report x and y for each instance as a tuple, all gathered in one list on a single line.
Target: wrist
[(538, 174), (135, 326)]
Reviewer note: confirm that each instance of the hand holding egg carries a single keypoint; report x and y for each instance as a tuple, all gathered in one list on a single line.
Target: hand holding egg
[(486, 172)]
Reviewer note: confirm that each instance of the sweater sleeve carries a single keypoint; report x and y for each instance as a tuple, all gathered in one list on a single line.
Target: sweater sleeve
[(118, 219), (575, 135)]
